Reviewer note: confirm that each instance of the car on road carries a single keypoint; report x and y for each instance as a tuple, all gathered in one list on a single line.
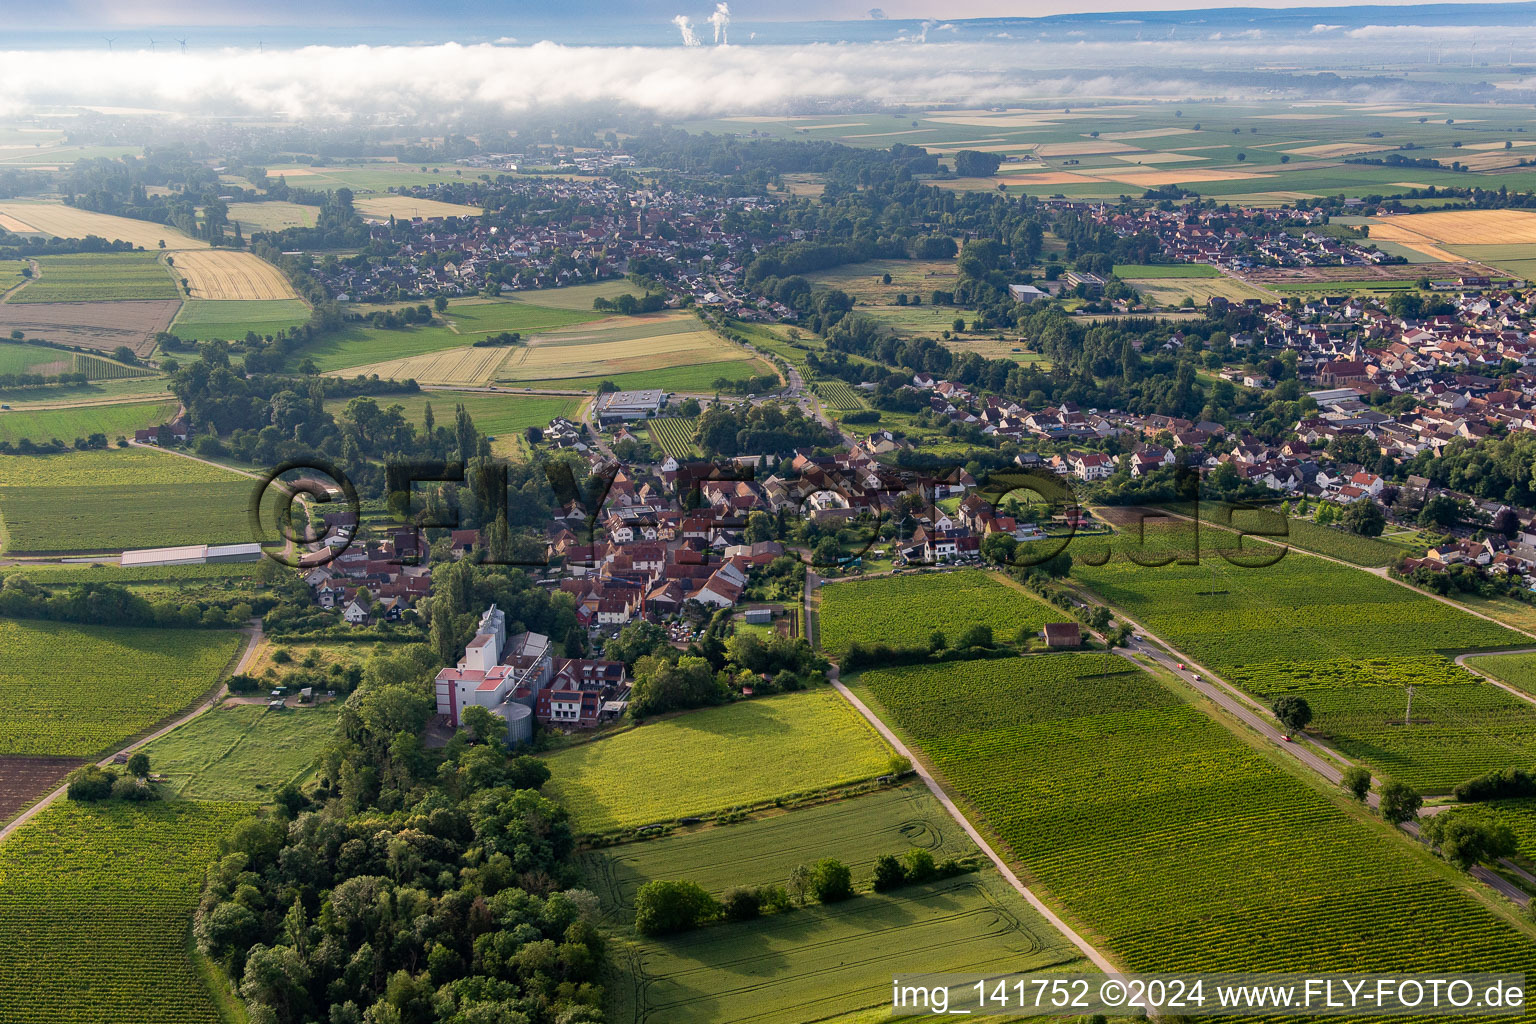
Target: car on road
[(1181, 666)]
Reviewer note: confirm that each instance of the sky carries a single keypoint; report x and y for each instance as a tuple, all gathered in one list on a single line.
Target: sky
[(109, 14)]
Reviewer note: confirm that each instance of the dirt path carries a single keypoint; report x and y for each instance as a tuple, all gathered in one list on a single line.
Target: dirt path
[(253, 634), (811, 603), (196, 458), (1088, 950)]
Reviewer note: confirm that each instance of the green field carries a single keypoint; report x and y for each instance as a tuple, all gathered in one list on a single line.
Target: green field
[(227, 573), (706, 761), (81, 690), (241, 752), (99, 278), (1344, 640), (51, 362), (866, 281), (575, 296), (699, 378), (1304, 534), (1518, 670), (903, 610), (1342, 287), (94, 912), (39, 359), (10, 273), (503, 416), (1163, 291), (462, 324), (1177, 843), (98, 392), (232, 319), (119, 499), (82, 421), (1154, 271), (974, 922)]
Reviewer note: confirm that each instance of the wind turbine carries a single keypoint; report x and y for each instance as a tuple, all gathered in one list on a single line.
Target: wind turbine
[(183, 43), (151, 46), (110, 40)]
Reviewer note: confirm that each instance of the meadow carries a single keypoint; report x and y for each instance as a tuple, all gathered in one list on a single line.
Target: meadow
[(68, 424), (94, 913), (1345, 640), (50, 362), (222, 274), (866, 281), (204, 319), (241, 752), (1166, 291), (104, 277), (903, 610), (1158, 271), (503, 416), (81, 690), (575, 296), (974, 922), (272, 216), (1233, 859), (119, 499), (69, 222), (702, 762)]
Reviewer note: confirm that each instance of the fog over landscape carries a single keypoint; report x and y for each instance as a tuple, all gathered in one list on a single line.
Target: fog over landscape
[(705, 64)]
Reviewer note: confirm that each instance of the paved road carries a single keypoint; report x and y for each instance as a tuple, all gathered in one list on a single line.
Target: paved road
[(253, 634), (1238, 705)]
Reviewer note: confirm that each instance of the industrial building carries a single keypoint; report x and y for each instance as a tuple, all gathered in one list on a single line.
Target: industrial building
[(618, 406), (191, 554)]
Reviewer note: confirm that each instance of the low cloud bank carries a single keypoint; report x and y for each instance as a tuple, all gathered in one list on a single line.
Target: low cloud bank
[(686, 81)]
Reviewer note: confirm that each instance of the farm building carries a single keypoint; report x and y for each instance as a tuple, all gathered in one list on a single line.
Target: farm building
[(759, 616), (1063, 634), (192, 554), (617, 406)]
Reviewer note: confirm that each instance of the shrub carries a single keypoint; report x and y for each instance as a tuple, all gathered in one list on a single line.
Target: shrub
[(831, 881), (920, 866), (773, 898), (889, 874), (742, 904), (91, 783), (1496, 785)]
